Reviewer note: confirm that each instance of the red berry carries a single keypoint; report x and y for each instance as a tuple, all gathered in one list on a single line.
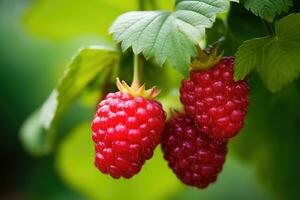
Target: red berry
[(126, 130), (194, 158), (215, 100)]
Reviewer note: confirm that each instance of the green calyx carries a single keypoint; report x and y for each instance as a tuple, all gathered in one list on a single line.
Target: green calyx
[(206, 58), (136, 89)]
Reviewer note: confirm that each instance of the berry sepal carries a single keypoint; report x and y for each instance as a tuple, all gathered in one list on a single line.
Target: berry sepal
[(207, 58), (136, 90)]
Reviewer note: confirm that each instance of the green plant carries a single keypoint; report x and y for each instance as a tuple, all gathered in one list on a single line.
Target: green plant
[(171, 39)]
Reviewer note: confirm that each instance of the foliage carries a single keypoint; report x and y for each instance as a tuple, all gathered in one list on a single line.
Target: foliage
[(168, 35), (38, 131), (276, 58), (269, 141), (267, 9)]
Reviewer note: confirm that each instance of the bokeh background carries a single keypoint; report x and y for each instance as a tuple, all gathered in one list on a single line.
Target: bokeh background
[(37, 39)]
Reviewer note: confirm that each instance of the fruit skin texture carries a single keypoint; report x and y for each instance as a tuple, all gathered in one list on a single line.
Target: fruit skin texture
[(215, 100), (194, 158), (126, 130)]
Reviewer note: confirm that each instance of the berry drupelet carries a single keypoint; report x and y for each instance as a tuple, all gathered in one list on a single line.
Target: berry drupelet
[(126, 129), (194, 158), (217, 102)]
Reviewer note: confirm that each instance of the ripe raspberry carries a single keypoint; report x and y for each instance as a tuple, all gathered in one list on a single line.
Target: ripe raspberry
[(217, 102), (193, 157), (126, 130)]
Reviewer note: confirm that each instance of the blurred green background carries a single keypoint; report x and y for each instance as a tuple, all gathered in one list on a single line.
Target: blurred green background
[(37, 38)]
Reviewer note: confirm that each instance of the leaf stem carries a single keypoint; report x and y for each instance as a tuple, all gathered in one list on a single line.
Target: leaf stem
[(269, 27), (136, 74), (154, 4), (142, 5)]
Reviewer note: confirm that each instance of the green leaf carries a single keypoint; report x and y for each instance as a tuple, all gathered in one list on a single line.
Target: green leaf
[(33, 135), (75, 164), (267, 9), (37, 133), (62, 19), (248, 56), (238, 26), (168, 35), (275, 58)]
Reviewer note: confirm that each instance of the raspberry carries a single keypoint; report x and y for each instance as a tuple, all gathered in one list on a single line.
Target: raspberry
[(195, 158), (126, 130), (215, 100)]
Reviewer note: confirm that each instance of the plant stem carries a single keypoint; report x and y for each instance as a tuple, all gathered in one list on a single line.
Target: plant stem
[(142, 5), (153, 4), (136, 73), (269, 27)]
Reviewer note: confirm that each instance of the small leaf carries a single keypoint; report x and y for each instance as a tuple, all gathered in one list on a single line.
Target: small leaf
[(34, 135), (267, 9), (249, 56), (275, 58), (37, 133), (168, 35)]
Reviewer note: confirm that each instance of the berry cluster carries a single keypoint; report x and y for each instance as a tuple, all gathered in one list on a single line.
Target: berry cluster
[(129, 124), (194, 144)]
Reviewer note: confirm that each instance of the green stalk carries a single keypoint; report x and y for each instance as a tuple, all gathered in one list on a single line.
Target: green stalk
[(136, 73), (154, 4), (269, 27), (142, 5)]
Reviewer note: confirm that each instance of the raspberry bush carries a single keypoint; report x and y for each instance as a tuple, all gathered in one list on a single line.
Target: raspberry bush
[(202, 65)]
